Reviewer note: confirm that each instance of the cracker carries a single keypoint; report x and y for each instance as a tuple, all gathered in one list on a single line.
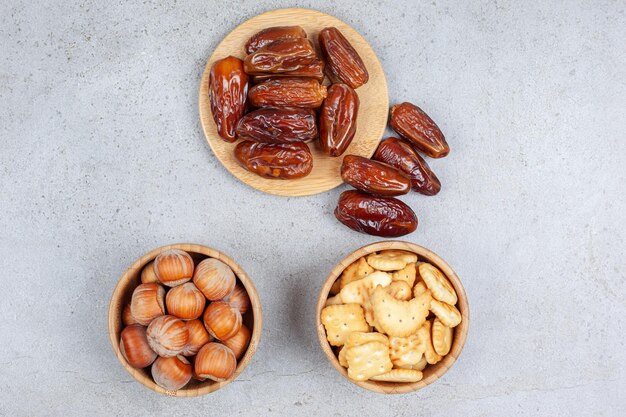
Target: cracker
[(360, 338), (359, 291), (399, 318), (420, 366), (437, 283), (432, 357), (399, 375), (400, 290), (442, 337), (448, 314), (341, 320), (408, 274), (419, 289), (368, 360), (334, 290), (355, 271), (406, 351), (391, 260), (342, 357), (333, 301)]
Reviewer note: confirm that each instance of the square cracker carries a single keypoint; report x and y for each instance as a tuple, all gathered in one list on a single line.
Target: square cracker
[(341, 320), (356, 270), (368, 360), (406, 351)]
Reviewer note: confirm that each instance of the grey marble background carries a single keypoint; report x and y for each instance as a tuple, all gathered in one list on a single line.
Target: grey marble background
[(103, 159)]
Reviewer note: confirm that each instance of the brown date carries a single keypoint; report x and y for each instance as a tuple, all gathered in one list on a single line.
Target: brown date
[(378, 216), (337, 119), (400, 154), (269, 35), (374, 177), (275, 160), (228, 91), (344, 63), (414, 125), (288, 92), (278, 125), (294, 57)]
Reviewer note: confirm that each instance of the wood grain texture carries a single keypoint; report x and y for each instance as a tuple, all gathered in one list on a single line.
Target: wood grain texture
[(373, 111), (432, 372), (122, 295)]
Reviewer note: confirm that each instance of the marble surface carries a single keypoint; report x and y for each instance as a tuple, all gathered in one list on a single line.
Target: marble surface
[(103, 159)]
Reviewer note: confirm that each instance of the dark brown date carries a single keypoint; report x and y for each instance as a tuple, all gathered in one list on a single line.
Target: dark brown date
[(344, 63), (378, 216), (275, 160), (400, 154), (288, 92), (293, 57), (414, 125), (278, 126), (269, 35), (228, 91), (338, 119), (374, 177)]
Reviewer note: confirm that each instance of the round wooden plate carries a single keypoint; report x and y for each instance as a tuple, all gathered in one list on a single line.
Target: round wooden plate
[(373, 111)]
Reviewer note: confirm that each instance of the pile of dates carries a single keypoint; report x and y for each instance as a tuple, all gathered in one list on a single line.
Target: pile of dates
[(395, 169), (269, 100), (275, 103)]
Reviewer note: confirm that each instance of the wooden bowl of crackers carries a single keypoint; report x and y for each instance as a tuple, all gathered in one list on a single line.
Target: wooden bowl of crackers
[(392, 317), (189, 302)]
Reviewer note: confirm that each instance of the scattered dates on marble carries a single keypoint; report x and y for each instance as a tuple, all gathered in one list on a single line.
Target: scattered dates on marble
[(338, 119), (288, 92), (273, 34), (374, 177), (375, 215), (400, 154), (294, 57), (275, 160), (270, 125), (414, 125), (343, 61), (228, 90)]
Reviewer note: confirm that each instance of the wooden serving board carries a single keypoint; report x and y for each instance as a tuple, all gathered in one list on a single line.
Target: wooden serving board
[(372, 117)]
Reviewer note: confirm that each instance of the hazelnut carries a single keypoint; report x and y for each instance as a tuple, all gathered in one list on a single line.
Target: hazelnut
[(239, 299), (171, 373), (216, 362), (173, 267), (147, 303), (239, 342), (185, 301), (167, 336), (198, 337), (135, 348), (221, 320), (214, 278)]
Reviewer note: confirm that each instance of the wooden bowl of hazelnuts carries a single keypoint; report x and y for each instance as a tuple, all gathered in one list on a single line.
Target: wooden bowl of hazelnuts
[(185, 320)]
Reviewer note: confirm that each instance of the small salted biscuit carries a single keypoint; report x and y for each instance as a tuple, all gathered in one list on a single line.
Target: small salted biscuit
[(432, 357), (391, 260), (336, 287), (359, 291), (342, 357), (368, 360), (448, 314), (408, 274), (442, 337), (399, 375), (419, 289), (360, 338), (333, 301), (396, 317), (400, 290), (406, 351), (340, 320), (356, 270), (438, 284)]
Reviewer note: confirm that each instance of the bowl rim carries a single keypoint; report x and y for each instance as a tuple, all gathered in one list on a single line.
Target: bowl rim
[(116, 308), (460, 332)]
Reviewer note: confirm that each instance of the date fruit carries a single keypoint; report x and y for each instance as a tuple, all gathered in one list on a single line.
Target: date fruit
[(343, 61), (374, 177), (400, 154), (293, 57), (338, 119), (278, 126), (288, 92), (228, 90), (378, 216), (269, 35), (275, 160), (414, 125)]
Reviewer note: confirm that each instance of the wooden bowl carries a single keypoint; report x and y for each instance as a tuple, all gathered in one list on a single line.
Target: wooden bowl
[(371, 121), (122, 295), (432, 372)]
